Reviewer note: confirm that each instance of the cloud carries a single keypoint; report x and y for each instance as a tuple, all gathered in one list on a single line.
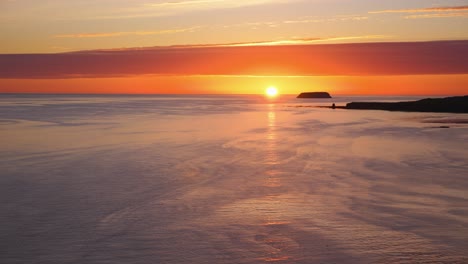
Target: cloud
[(321, 20), (302, 20), (424, 10), (125, 33), (170, 8), (280, 42), (210, 4), (438, 15), (429, 12), (358, 59), (448, 8), (123, 9), (185, 3), (296, 41)]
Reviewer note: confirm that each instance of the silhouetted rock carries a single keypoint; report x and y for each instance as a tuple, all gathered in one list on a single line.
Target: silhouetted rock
[(457, 104), (314, 95)]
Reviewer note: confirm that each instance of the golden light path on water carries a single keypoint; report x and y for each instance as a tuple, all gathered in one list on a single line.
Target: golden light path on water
[(272, 202), (276, 204)]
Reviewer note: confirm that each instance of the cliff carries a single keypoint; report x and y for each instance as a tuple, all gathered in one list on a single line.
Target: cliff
[(457, 104)]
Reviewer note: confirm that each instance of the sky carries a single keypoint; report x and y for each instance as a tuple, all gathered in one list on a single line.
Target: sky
[(234, 46)]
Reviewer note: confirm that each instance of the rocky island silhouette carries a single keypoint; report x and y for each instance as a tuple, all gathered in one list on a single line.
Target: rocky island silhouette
[(314, 95)]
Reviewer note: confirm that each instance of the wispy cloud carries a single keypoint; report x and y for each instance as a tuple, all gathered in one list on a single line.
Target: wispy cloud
[(294, 41), (185, 3), (301, 20), (208, 4), (424, 10), (170, 8), (374, 37), (330, 19), (279, 42), (428, 12), (302, 41), (125, 33), (123, 9), (448, 8), (438, 15)]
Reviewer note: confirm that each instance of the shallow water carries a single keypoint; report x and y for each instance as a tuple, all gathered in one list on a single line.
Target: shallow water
[(228, 179)]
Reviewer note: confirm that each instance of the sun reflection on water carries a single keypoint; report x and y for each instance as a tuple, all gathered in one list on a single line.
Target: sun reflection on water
[(272, 158), (274, 224), (271, 137)]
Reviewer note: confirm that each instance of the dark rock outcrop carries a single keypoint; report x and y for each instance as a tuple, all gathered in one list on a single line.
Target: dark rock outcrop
[(457, 104), (314, 95)]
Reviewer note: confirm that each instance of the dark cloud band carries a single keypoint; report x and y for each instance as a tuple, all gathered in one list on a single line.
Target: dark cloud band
[(399, 58)]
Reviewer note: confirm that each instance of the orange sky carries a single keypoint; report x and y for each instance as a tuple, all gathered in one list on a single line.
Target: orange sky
[(226, 46), (401, 68), (453, 84)]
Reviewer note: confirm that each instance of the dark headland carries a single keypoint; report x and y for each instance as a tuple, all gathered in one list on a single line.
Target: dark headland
[(314, 95), (457, 104)]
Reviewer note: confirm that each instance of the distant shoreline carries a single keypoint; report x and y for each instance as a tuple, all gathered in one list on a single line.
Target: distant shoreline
[(455, 104)]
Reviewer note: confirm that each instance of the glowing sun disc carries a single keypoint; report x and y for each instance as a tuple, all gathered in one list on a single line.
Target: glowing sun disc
[(271, 91)]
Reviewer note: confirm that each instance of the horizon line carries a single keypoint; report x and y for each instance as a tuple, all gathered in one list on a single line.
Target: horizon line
[(246, 94)]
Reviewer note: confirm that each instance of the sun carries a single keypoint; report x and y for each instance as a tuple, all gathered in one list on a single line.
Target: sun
[(271, 91)]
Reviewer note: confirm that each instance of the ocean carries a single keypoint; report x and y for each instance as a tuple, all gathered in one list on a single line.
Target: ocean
[(229, 179)]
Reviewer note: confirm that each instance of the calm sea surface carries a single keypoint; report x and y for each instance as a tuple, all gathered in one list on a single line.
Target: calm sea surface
[(229, 179)]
